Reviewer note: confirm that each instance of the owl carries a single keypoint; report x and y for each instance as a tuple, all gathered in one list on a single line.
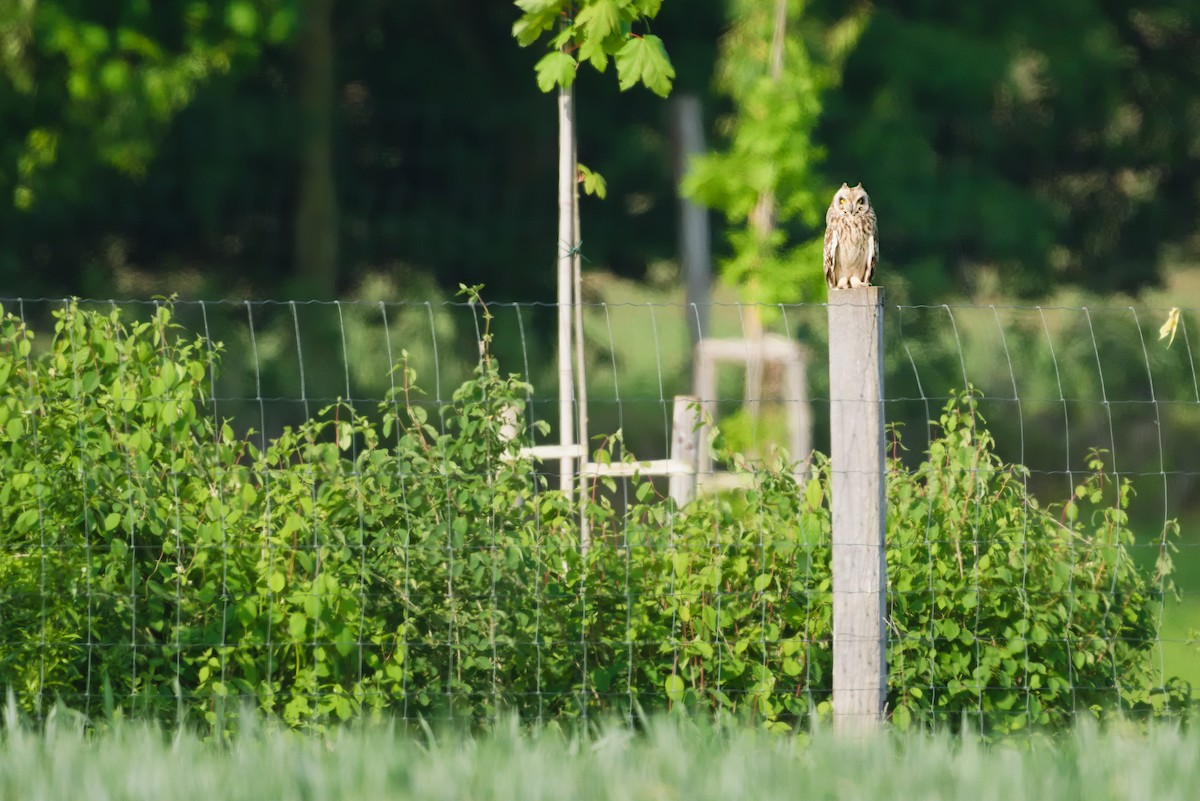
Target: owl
[(851, 239)]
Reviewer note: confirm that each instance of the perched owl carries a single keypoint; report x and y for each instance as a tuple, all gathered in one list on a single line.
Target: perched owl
[(851, 239)]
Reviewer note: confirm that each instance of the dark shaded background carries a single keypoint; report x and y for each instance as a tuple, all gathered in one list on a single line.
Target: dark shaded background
[(1051, 143)]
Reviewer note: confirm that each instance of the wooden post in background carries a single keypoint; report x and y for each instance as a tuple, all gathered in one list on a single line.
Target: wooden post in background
[(694, 252), (568, 242), (857, 452), (685, 424)]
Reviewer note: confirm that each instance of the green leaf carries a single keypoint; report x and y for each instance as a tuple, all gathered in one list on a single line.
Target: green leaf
[(593, 182), (540, 15), (112, 521), (297, 623), (813, 494), (564, 38), (762, 582), (26, 520), (950, 629), (598, 19), (291, 524), (648, 8), (555, 69), (643, 59), (595, 53), (539, 6), (276, 583)]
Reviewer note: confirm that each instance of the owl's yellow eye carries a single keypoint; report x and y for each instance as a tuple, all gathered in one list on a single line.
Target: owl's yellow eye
[(841, 201), (860, 201)]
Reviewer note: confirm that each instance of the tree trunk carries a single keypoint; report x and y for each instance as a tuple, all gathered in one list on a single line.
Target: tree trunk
[(316, 223), (762, 219)]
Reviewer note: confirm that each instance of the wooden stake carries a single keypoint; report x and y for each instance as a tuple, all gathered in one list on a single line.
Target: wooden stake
[(685, 424), (857, 451)]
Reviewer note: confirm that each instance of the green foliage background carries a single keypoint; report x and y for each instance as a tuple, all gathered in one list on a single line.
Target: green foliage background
[(407, 559), (160, 144)]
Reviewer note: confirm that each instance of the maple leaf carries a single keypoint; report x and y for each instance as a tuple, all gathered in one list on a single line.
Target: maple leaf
[(643, 59)]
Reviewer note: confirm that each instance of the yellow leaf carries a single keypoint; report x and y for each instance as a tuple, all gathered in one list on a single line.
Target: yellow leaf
[(1168, 328)]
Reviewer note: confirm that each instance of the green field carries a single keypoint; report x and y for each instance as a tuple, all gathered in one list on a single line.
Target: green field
[(669, 760)]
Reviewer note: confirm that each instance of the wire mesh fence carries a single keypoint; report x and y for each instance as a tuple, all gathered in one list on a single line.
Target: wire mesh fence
[(322, 508)]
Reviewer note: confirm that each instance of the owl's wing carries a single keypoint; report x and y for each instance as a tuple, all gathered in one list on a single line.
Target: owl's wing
[(872, 256), (831, 243)]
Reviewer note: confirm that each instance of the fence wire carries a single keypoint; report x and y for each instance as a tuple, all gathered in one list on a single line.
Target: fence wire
[(321, 508)]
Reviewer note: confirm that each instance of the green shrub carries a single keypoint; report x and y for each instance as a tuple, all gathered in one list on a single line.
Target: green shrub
[(1007, 614), (109, 466), (408, 560)]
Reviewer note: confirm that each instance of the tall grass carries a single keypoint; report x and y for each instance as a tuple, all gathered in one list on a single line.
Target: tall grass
[(670, 759)]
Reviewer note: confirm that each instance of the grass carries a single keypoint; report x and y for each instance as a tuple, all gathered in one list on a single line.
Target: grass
[(1181, 618), (671, 759), (1180, 649)]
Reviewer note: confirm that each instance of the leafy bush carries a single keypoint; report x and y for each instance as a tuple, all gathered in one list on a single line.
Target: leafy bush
[(410, 561), (1008, 614), (109, 466)]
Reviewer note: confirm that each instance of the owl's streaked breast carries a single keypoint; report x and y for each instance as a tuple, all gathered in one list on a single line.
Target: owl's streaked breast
[(851, 243)]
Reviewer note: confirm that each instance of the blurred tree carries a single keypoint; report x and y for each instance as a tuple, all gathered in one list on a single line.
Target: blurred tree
[(90, 89), (442, 169), (102, 81), (1050, 142), (774, 64), (316, 224)]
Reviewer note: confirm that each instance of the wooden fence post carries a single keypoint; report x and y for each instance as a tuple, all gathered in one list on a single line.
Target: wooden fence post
[(694, 253), (685, 422), (857, 452)]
